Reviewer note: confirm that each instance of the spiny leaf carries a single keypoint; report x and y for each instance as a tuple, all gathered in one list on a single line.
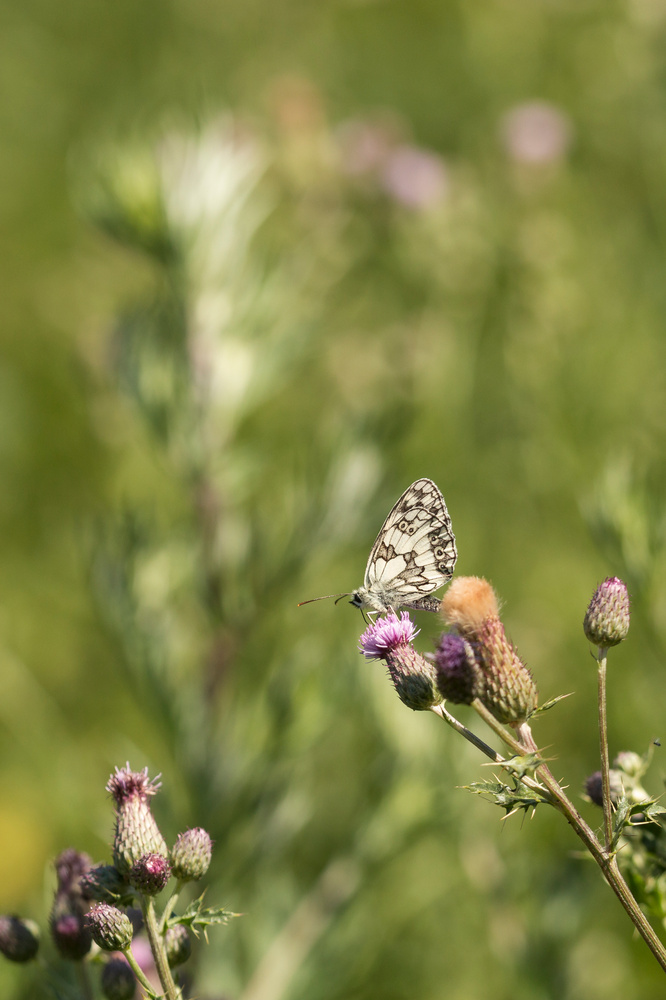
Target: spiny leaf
[(197, 917), (549, 704), (519, 797)]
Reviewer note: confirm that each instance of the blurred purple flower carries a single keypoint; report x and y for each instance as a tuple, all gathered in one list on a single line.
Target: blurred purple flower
[(536, 133), (414, 177), (365, 146)]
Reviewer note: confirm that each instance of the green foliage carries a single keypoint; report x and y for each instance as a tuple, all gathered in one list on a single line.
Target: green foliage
[(268, 348)]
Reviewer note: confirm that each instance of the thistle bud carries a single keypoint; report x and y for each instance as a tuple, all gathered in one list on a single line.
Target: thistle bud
[(459, 677), (67, 923), (594, 787), (137, 833), (111, 928), (389, 639), (150, 874), (506, 687), (191, 854), (606, 621), (105, 884), (118, 980), (70, 932), (19, 939), (177, 945)]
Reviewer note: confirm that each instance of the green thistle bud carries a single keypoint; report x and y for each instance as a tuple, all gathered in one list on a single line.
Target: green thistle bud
[(137, 833), (105, 884), (606, 621), (508, 690), (19, 939), (111, 928), (150, 874), (191, 854), (178, 945), (459, 676), (118, 981)]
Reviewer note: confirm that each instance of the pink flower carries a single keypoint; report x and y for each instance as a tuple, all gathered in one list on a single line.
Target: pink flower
[(386, 634), (536, 133)]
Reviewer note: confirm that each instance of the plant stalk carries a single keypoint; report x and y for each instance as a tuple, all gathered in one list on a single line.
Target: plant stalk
[(157, 947)]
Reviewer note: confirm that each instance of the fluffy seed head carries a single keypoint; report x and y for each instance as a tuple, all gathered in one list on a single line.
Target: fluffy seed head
[(111, 928), (191, 854), (19, 939), (606, 621), (468, 602)]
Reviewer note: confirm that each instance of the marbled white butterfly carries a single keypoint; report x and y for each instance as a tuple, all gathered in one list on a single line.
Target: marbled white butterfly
[(414, 554)]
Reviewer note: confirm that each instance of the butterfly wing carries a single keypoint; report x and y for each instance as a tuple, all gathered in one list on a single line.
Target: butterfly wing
[(415, 550)]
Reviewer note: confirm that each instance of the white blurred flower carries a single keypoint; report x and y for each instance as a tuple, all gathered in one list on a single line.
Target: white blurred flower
[(536, 133)]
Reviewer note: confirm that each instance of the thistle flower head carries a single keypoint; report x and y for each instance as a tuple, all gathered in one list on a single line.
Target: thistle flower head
[(19, 939), (137, 833), (126, 784), (149, 874), (506, 686), (389, 639), (111, 928), (386, 634), (606, 621), (118, 981), (178, 945), (459, 676), (191, 854)]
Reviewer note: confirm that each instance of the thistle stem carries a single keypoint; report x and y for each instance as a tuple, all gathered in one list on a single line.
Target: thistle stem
[(138, 971), (157, 947), (605, 858), (603, 745), (476, 741)]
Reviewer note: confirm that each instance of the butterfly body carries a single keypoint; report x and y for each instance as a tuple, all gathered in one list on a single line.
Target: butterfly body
[(414, 553)]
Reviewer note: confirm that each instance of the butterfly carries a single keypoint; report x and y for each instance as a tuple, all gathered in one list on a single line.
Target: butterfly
[(414, 554)]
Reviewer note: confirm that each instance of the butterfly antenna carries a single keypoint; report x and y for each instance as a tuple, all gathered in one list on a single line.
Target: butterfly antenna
[(325, 598)]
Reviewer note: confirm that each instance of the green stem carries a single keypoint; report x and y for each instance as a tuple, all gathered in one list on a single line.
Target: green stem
[(157, 947), (603, 745), (138, 971), (170, 906), (603, 856), (476, 741)]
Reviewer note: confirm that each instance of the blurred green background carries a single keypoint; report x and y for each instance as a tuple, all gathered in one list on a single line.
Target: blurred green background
[(265, 264)]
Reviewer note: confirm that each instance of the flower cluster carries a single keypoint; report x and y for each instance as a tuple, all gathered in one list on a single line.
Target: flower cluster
[(91, 902)]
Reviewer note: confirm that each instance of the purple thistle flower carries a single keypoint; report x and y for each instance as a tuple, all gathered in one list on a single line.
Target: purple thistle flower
[(386, 634)]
